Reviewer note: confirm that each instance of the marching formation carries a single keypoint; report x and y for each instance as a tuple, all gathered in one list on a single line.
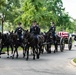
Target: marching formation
[(34, 39)]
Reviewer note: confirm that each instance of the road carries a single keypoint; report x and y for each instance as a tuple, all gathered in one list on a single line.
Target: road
[(48, 64)]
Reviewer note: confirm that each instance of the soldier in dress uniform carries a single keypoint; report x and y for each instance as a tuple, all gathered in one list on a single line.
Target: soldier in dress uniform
[(35, 29), (19, 31)]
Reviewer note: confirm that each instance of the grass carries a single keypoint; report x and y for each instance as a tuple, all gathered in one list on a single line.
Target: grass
[(5, 49), (74, 60)]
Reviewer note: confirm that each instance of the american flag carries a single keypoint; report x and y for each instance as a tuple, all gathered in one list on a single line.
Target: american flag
[(63, 34)]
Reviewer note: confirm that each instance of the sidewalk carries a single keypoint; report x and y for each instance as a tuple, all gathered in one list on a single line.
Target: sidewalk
[(73, 63)]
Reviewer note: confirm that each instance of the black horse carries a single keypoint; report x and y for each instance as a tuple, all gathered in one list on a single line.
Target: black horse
[(50, 40), (33, 43), (6, 41), (17, 43)]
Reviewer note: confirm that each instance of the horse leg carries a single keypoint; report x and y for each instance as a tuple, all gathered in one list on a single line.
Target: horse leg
[(27, 51), (38, 52), (33, 53), (11, 51), (14, 53), (23, 51), (41, 49), (56, 47), (48, 48), (55, 44), (7, 51), (17, 52), (1, 50)]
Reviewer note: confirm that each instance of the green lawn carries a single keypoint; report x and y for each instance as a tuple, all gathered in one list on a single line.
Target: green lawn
[(74, 60), (5, 49)]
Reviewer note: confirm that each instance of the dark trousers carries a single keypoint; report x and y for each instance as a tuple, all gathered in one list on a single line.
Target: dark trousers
[(35, 37), (20, 37)]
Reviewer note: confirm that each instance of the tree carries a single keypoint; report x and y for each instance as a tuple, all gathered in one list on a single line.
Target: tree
[(2, 3), (43, 11), (10, 10)]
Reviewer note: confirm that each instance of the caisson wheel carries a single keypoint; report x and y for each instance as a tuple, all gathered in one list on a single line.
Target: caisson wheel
[(62, 44), (69, 43)]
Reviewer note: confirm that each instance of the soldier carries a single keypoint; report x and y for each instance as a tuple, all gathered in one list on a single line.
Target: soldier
[(52, 28), (19, 31), (34, 29)]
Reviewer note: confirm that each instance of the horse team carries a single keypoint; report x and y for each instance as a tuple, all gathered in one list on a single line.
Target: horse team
[(11, 40)]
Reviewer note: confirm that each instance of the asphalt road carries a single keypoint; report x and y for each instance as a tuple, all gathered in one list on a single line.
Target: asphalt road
[(48, 64)]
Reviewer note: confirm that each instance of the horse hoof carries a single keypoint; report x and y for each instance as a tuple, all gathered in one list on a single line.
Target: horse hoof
[(23, 56), (38, 57), (54, 51), (33, 58), (12, 57), (48, 51), (7, 57), (26, 58), (42, 51), (16, 57)]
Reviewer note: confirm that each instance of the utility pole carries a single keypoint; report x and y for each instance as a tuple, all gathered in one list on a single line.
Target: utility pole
[(2, 23), (2, 20)]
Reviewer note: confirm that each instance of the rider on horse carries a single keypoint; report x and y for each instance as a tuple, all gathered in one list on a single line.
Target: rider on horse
[(19, 31), (53, 34), (52, 29), (34, 29)]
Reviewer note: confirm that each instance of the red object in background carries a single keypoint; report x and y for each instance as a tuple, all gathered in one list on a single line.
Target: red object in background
[(63, 34)]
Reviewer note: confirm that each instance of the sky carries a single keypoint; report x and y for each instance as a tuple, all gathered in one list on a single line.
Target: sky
[(70, 7)]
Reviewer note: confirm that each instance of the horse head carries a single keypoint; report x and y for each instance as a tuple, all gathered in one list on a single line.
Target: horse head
[(26, 35), (0, 35), (49, 35)]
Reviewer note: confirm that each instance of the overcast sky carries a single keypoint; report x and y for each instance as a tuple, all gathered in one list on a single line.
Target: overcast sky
[(70, 7)]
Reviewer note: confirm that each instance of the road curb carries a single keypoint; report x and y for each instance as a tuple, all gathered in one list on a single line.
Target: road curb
[(73, 63), (3, 53)]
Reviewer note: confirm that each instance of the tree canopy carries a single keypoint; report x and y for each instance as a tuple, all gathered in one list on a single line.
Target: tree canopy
[(43, 11)]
